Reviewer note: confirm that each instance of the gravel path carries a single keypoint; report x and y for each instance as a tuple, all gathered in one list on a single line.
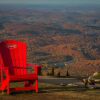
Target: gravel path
[(52, 80)]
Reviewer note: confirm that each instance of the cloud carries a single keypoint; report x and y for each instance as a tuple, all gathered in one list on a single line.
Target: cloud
[(51, 1)]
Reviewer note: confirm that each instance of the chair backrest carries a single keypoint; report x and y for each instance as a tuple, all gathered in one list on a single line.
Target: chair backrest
[(13, 56)]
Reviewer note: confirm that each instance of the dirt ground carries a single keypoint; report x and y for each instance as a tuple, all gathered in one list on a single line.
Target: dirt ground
[(55, 92)]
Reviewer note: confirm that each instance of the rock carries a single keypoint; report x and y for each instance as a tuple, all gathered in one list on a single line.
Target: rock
[(96, 75)]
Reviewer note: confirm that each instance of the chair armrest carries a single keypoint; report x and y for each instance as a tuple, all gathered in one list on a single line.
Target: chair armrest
[(30, 64), (37, 68)]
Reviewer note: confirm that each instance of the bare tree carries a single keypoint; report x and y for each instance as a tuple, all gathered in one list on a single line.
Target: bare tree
[(67, 69)]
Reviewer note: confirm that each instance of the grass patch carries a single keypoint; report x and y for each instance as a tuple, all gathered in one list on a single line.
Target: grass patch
[(57, 92)]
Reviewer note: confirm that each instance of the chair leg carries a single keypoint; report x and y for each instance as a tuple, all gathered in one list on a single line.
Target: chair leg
[(36, 86), (8, 88), (2, 91)]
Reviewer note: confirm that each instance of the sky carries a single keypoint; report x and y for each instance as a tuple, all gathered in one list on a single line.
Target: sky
[(70, 2)]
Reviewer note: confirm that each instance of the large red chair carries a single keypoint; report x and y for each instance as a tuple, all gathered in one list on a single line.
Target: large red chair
[(14, 67)]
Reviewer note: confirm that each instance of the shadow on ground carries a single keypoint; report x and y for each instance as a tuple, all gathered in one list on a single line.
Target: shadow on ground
[(56, 89)]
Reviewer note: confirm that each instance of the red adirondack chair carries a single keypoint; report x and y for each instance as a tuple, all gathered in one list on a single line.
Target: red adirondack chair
[(13, 67)]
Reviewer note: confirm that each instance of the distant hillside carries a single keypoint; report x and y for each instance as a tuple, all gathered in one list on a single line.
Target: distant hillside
[(54, 36)]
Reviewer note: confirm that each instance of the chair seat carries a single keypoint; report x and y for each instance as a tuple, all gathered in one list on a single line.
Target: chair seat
[(19, 78)]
